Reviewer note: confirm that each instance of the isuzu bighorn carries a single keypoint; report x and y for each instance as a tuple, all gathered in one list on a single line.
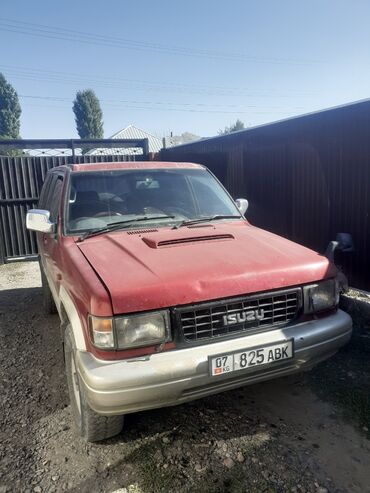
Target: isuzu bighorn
[(166, 293)]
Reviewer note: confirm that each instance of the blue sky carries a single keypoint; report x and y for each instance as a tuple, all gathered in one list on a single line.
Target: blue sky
[(183, 66)]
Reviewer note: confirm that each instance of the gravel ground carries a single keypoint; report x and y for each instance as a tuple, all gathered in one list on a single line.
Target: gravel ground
[(273, 437)]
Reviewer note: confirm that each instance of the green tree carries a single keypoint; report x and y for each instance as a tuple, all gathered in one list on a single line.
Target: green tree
[(88, 115), (10, 110), (234, 127)]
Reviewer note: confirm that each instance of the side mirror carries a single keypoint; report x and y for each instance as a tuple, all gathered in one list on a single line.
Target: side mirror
[(343, 242), (242, 205), (39, 220)]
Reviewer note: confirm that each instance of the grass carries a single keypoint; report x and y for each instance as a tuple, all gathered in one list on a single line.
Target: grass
[(152, 478)]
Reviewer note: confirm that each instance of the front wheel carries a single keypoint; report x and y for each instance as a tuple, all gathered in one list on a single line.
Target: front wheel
[(91, 426)]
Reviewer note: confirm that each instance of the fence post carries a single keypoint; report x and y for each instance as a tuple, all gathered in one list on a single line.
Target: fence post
[(2, 244)]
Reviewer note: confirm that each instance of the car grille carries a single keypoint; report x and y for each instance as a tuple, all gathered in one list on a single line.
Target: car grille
[(207, 320)]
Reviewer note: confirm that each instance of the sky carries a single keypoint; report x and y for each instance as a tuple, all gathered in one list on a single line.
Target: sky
[(190, 66)]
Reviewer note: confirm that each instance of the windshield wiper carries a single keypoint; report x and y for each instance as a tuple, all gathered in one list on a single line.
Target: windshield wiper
[(188, 222), (119, 225)]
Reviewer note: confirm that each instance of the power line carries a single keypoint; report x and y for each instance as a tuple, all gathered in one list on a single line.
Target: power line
[(109, 84), (120, 106), (159, 103), (179, 110), (28, 73), (151, 82), (53, 32), (117, 106)]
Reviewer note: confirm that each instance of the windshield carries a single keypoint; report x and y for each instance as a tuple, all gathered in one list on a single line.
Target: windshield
[(98, 199)]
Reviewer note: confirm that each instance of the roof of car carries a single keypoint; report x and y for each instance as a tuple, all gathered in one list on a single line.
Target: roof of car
[(133, 165)]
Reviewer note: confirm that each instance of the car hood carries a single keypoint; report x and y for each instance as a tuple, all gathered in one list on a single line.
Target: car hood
[(150, 269)]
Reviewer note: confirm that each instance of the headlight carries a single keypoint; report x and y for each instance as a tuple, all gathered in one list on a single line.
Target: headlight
[(321, 296), (140, 330), (101, 332)]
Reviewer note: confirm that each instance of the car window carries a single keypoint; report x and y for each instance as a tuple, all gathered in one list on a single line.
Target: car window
[(99, 198), (211, 199)]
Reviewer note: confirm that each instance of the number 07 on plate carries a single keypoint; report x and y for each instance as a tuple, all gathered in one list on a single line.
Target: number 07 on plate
[(248, 358)]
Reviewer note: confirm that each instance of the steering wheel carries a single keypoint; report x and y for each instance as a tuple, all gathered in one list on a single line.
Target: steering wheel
[(104, 213), (177, 210)]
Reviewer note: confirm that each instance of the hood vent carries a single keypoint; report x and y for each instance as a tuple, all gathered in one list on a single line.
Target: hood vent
[(190, 239), (141, 231)]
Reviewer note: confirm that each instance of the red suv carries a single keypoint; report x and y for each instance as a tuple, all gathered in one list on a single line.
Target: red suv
[(166, 293)]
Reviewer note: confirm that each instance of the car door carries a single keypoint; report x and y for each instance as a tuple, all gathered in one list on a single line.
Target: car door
[(50, 242)]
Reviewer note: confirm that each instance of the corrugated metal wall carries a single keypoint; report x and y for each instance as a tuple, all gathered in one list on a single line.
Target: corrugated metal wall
[(306, 178), (21, 179)]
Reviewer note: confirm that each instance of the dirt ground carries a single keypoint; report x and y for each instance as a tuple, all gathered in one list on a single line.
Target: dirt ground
[(273, 437)]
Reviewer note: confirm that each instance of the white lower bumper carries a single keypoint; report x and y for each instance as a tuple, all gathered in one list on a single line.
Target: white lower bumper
[(173, 377)]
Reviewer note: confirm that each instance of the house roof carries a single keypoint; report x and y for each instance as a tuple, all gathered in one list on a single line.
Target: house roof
[(131, 132)]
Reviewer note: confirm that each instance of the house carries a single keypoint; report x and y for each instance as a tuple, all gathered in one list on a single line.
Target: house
[(130, 132)]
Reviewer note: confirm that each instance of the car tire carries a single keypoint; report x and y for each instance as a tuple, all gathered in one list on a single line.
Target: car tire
[(92, 426), (48, 300)]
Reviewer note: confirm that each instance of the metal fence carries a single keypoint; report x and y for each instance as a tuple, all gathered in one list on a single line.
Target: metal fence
[(22, 176), (306, 178)]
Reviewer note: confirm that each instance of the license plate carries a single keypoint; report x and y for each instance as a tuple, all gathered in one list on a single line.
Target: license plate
[(250, 358)]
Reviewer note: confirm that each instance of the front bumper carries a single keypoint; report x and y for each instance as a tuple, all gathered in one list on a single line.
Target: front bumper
[(174, 377)]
